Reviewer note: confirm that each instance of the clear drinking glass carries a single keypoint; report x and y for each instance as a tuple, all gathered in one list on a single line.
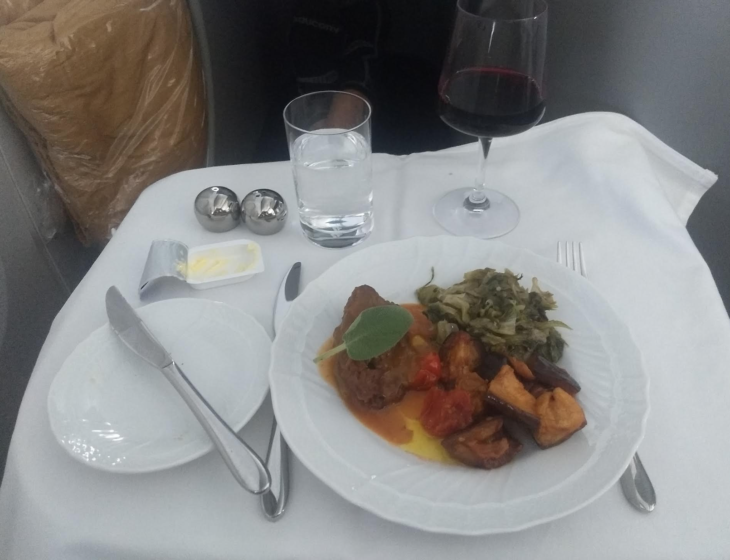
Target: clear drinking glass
[(329, 145), (491, 86)]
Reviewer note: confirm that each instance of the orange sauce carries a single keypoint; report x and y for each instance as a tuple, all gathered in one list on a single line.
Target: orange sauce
[(421, 325), (397, 423), (389, 422), (327, 367)]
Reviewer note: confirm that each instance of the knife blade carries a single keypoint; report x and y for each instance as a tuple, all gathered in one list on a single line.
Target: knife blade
[(274, 501), (288, 291), (132, 331), (246, 467)]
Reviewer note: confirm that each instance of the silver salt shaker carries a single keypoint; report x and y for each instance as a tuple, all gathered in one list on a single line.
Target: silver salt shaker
[(217, 209), (264, 211)]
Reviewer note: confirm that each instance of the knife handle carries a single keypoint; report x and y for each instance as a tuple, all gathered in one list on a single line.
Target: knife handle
[(273, 502), (241, 460)]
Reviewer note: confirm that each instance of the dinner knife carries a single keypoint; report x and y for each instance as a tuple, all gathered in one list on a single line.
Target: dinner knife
[(247, 467), (277, 458)]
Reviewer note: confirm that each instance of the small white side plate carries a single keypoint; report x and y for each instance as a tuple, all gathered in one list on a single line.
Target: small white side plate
[(112, 411)]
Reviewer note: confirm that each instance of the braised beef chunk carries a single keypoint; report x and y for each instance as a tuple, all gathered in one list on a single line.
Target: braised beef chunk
[(549, 374), (460, 353), (485, 445), (362, 298), (379, 381)]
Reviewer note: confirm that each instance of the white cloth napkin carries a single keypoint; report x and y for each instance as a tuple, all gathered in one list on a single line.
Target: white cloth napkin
[(596, 178)]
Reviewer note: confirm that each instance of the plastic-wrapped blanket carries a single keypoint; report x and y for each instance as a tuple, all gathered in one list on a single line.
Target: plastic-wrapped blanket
[(110, 94)]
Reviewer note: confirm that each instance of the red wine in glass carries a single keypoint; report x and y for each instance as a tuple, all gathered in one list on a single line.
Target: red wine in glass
[(491, 86), (490, 102)]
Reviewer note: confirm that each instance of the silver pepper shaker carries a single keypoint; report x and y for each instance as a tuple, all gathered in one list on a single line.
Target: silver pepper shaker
[(217, 209), (264, 211)]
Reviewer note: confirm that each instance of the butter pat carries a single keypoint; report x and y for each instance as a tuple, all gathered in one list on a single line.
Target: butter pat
[(209, 266)]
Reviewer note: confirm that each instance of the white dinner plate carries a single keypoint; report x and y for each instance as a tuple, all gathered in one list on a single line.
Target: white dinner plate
[(111, 410), (538, 486)]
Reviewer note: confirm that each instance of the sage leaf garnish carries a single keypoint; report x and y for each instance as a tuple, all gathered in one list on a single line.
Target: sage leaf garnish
[(375, 331)]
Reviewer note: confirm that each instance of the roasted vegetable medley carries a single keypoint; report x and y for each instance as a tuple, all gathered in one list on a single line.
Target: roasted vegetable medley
[(482, 354)]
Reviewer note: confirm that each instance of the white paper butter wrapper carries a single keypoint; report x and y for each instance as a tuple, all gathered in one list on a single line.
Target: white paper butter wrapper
[(202, 267)]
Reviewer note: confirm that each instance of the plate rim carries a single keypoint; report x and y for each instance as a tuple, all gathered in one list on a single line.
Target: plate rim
[(204, 450), (357, 500)]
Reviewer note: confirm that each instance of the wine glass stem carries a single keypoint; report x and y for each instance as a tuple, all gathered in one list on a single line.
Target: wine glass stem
[(477, 200)]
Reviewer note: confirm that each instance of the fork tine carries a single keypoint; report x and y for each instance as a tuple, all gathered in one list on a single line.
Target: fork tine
[(560, 252), (576, 256), (582, 261)]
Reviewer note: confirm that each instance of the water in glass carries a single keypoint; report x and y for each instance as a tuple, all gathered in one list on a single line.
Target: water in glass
[(332, 174)]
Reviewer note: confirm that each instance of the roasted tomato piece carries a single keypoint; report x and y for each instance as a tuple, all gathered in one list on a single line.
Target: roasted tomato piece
[(423, 380), (477, 389), (429, 372), (445, 412)]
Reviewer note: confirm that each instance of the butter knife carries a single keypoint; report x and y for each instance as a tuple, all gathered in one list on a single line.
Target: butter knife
[(246, 467), (274, 501)]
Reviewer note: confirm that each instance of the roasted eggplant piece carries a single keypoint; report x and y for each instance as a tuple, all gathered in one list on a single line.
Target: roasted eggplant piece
[(521, 368), (485, 445), (560, 417), (460, 353), (535, 388), (508, 395), (549, 374), (491, 364)]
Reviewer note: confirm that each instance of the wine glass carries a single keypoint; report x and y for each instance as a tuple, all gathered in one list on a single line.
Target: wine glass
[(491, 86)]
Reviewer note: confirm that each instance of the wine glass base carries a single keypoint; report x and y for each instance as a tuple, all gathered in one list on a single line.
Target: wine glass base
[(500, 218)]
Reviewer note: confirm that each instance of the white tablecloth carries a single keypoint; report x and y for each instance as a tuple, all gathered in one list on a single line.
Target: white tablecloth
[(597, 178)]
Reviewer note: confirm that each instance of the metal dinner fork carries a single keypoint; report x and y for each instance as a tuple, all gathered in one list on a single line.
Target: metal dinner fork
[(635, 482)]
